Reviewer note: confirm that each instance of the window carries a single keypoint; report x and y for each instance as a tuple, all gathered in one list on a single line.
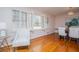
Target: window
[(39, 22), (45, 22), (19, 18)]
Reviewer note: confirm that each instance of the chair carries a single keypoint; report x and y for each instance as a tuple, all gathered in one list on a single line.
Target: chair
[(74, 33), (3, 39), (22, 38), (61, 32), (3, 36)]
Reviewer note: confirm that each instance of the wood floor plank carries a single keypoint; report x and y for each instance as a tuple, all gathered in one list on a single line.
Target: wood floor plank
[(50, 43)]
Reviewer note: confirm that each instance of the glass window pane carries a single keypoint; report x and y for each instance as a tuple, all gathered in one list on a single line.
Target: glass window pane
[(36, 22), (39, 22), (19, 18)]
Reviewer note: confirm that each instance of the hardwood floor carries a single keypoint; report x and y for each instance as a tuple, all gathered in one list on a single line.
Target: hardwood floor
[(50, 43)]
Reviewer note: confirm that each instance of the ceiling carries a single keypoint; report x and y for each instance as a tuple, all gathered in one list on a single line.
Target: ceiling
[(54, 10)]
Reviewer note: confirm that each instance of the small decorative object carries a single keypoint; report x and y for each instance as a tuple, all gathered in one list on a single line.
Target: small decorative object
[(74, 22)]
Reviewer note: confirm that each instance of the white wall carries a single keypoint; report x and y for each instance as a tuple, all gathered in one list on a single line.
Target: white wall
[(49, 30), (6, 16), (61, 19)]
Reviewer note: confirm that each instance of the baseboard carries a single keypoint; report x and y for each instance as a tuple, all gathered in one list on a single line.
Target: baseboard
[(42, 36)]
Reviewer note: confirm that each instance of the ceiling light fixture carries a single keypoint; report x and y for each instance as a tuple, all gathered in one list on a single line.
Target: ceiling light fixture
[(70, 12)]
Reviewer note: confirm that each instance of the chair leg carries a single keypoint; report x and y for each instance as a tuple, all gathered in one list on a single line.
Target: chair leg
[(70, 39), (64, 38), (7, 44), (60, 37), (77, 41), (14, 49)]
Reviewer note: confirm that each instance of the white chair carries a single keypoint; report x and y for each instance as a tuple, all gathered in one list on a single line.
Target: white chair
[(74, 32), (3, 35), (61, 32), (22, 38)]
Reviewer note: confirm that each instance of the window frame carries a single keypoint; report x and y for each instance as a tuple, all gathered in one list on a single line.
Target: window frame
[(43, 22)]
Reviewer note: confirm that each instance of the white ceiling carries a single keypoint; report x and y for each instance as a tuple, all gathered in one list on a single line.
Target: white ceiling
[(54, 10)]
